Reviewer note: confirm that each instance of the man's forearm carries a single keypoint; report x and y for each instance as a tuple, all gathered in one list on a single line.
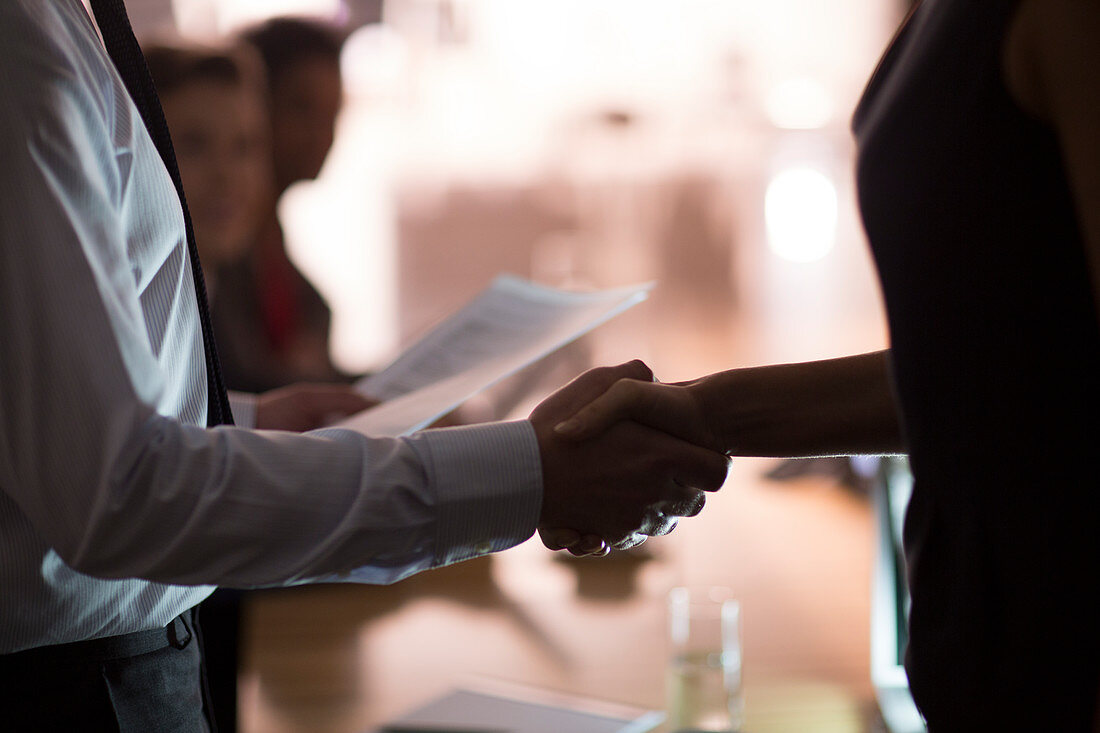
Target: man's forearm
[(839, 406)]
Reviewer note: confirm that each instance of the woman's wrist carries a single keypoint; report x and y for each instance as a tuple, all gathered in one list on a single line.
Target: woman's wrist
[(729, 411), (836, 406)]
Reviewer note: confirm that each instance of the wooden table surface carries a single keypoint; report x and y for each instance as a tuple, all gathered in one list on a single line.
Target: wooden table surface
[(343, 658)]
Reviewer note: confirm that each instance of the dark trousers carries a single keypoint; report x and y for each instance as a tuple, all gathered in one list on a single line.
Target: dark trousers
[(145, 682), (221, 643)]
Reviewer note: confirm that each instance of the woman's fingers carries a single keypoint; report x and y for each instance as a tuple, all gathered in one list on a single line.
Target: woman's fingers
[(625, 399)]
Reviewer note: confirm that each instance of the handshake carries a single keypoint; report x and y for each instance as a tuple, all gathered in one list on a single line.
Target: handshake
[(623, 458)]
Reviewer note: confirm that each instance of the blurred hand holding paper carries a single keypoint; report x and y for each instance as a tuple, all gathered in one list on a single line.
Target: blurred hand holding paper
[(511, 324)]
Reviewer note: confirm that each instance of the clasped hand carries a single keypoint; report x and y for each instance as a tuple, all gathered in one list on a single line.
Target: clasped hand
[(615, 483)]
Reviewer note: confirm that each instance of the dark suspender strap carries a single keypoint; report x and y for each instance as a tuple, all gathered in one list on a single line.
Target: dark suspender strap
[(123, 48)]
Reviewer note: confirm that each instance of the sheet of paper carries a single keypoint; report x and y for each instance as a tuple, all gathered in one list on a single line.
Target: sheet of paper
[(511, 324), (476, 711)]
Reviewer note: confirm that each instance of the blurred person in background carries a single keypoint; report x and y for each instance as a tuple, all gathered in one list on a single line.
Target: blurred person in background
[(284, 319), (302, 61)]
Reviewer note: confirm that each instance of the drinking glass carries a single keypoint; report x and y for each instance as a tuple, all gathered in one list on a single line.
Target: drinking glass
[(704, 667)]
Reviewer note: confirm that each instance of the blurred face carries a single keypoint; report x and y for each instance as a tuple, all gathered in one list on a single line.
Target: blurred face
[(305, 102), (219, 133)]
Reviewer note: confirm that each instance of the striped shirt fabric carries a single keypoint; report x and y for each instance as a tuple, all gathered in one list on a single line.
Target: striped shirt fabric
[(118, 509)]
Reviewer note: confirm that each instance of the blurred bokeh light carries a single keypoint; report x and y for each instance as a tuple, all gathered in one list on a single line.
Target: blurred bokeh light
[(597, 111)]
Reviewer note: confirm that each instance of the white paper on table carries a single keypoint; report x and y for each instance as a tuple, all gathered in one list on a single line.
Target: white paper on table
[(511, 324), (476, 710)]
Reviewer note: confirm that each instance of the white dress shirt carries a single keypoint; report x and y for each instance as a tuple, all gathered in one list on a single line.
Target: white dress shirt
[(118, 509)]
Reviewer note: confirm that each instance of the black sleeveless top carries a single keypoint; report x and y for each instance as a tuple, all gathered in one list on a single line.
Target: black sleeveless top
[(996, 362)]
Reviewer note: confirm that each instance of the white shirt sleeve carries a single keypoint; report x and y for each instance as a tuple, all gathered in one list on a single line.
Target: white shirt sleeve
[(102, 386)]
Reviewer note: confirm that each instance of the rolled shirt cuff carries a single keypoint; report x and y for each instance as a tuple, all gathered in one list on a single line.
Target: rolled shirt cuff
[(488, 481)]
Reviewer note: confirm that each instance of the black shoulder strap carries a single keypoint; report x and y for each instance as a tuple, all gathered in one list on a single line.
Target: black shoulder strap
[(118, 37)]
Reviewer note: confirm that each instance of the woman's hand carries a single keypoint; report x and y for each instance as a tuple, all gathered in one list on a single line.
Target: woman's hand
[(671, 408)]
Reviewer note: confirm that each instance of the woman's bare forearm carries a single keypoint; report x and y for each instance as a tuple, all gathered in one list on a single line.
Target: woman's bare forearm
[(839, 406)]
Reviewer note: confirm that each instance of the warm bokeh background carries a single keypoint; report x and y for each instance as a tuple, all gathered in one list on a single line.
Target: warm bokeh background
[(590, 143)]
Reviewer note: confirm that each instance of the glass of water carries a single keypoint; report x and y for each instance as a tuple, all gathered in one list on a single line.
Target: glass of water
[(704, 666)]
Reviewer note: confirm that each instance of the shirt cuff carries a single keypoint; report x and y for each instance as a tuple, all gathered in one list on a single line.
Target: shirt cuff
[(243, 406), (488, 481)]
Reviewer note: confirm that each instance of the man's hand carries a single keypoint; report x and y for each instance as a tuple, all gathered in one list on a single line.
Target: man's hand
[(301, 407), (628, 482)]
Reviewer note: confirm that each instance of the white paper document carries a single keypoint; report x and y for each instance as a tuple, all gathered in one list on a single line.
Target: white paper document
[(470, 711), (511, 324)]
